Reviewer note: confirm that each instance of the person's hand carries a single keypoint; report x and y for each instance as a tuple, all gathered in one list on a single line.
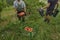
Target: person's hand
[(15, 9), (45, 7), (41, 7)]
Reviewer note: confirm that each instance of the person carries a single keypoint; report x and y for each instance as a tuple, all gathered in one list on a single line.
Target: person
[(20, 7), (50, 8)]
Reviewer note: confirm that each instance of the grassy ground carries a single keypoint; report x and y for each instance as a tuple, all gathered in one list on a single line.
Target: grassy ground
[(12, 29)]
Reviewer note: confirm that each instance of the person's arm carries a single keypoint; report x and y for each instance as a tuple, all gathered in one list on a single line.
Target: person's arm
[(56, 7), (15, 9), (25, 9), (24, 6), (14, 5), (46, 6)]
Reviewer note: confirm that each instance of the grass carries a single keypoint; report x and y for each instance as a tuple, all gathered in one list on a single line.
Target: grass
[(12, 29)]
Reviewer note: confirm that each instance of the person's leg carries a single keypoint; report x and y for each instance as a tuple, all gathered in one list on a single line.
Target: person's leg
[(48, 15), (19, 18), (47, 19), (23, 18)]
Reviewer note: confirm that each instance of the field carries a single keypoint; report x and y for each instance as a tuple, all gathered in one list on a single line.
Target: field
[(13, 29)]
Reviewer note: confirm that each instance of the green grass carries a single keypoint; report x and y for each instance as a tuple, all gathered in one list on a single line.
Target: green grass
[(12, 29)]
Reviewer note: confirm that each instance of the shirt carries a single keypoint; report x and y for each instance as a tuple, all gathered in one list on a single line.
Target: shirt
[(21, 3)]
